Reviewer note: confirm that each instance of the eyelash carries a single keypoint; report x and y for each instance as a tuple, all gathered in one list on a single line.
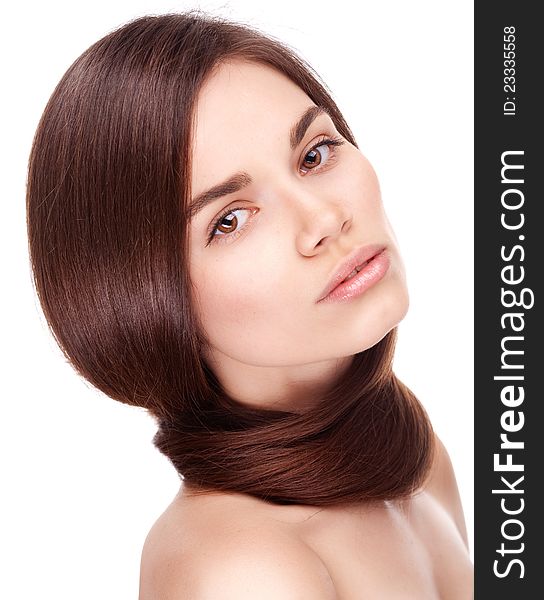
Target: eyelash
[(331, 143)]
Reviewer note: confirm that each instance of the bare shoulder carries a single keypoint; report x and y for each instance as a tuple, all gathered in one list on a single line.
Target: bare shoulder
[(247, 565), (442, 486), (210, 557)]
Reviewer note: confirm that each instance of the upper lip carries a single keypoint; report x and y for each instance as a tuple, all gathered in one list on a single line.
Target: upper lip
[(348, 263)]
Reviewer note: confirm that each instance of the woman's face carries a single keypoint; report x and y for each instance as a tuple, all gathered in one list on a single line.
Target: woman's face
[(259, 274)]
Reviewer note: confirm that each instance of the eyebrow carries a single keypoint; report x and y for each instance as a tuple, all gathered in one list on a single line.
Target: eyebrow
[(242, 179)]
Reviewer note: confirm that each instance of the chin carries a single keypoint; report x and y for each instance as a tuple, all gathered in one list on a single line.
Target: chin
[(397, 304), (393, 307)]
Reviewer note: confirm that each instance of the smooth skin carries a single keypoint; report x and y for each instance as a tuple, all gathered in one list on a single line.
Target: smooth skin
[(258, 282), (256, 286)]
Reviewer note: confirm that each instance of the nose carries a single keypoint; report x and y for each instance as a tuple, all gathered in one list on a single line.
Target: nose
[(322, 222)]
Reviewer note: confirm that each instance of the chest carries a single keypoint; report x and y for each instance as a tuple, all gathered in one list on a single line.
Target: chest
[(414, 552)]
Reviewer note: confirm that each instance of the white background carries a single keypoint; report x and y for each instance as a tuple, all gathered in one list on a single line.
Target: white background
[(82, 483)]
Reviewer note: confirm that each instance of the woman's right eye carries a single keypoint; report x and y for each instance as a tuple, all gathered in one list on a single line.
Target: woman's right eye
[(227, 225)]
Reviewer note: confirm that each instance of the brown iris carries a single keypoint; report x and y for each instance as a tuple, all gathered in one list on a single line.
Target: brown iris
[(232, 222), (315, 160)]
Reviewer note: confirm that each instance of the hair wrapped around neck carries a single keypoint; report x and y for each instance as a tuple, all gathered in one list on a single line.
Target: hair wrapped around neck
[(368, 438)]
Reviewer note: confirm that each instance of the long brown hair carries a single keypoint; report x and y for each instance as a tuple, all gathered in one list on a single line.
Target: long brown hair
[(108, 190)]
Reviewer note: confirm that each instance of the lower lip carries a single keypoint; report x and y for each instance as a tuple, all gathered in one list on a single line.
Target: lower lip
[(366, 278)]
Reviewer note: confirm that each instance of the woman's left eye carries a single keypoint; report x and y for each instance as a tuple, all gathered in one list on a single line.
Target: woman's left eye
[(314, 159)]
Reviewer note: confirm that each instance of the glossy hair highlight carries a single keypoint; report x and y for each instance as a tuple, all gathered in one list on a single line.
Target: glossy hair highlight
[(108, 190)]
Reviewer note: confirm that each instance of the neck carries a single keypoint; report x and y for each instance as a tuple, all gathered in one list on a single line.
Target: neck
[(294, 387)]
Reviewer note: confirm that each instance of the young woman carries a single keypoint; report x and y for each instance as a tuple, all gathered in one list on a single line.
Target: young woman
[(208, 242)]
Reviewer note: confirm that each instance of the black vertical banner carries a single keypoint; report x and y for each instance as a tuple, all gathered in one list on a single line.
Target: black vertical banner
[(509, 337)]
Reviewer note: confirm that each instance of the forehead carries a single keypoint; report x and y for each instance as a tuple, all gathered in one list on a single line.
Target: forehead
[(240, 105)]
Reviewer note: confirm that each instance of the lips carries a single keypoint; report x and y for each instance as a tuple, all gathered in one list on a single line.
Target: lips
[(354, 261), (355, 271)]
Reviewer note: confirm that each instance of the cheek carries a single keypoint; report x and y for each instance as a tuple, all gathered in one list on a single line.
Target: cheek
[(237, 298), (358, 185)]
